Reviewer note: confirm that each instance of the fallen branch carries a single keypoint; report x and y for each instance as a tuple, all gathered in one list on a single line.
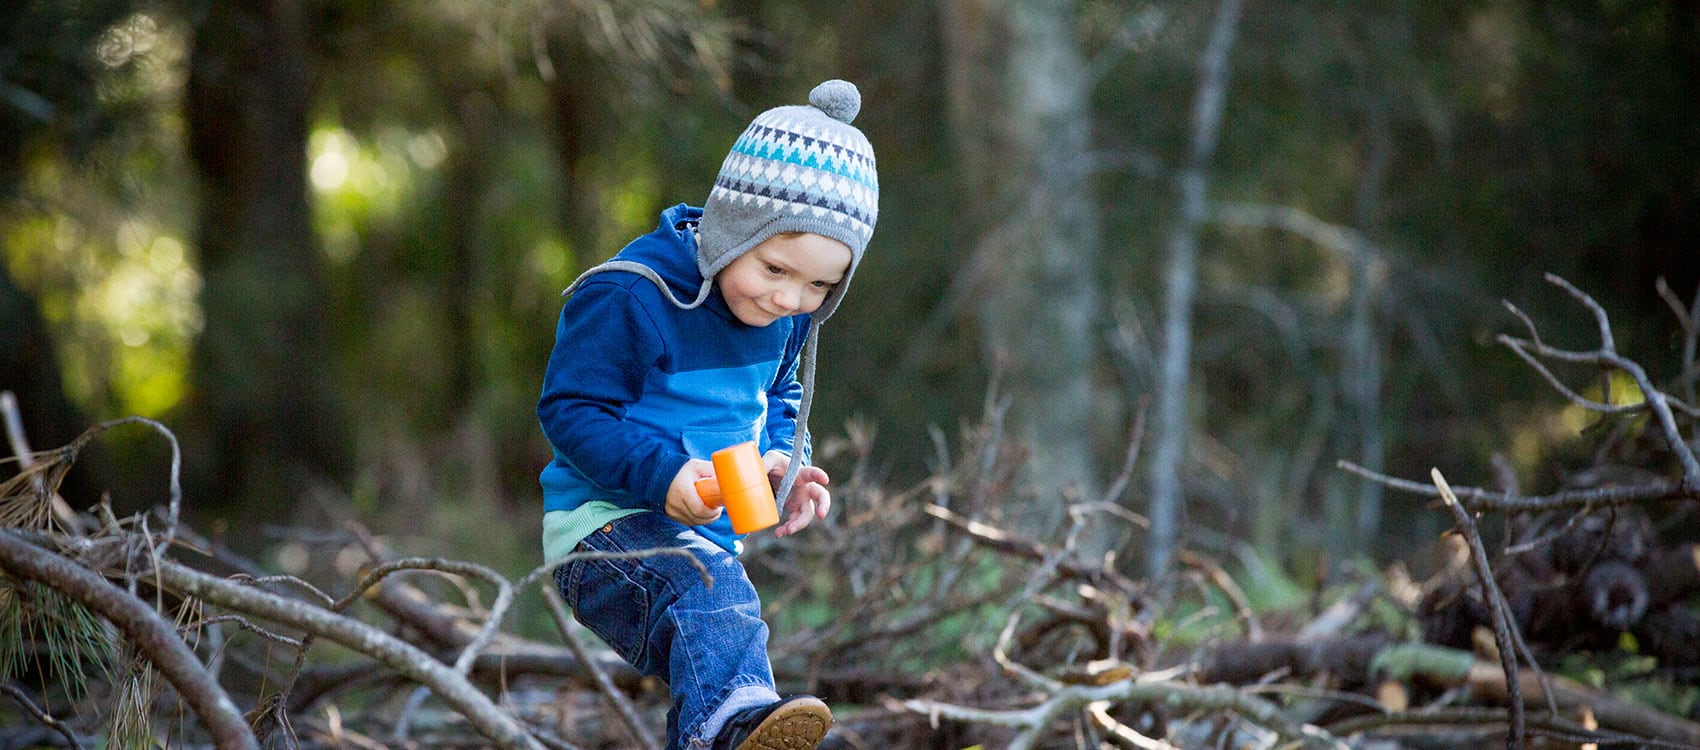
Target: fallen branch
[(1477, 499), (1071, 698), (994, 538), (396, 654), (149, 633)]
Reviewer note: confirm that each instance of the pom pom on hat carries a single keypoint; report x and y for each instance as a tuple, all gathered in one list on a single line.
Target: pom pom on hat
[(838, 99)]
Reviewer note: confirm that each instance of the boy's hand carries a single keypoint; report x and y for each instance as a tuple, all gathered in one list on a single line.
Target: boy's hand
[(683, 503), (809, 498)]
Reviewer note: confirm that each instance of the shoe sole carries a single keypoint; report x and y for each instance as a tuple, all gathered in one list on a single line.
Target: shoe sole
[(798, 725)]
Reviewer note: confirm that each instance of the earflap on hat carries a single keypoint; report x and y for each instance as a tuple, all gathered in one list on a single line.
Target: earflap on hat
[(800, 438)]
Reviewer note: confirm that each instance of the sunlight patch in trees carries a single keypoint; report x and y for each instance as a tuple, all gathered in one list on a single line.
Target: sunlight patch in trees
[(366, 181)]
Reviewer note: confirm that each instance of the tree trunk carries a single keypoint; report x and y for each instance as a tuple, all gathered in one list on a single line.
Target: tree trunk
[(1019, 105), (1364, 337), (1180, 282), (263, 395)]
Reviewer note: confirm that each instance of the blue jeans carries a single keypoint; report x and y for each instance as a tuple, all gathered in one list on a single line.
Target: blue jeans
[(708, 643)]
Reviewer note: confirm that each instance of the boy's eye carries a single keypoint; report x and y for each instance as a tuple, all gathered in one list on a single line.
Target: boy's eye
[(775, 270), (823, 285)]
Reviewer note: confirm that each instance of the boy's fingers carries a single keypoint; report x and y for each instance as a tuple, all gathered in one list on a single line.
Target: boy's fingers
[(797, 518), (813, 474)]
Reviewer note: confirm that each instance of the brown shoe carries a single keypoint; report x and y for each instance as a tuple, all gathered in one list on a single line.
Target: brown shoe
[(797, 723)]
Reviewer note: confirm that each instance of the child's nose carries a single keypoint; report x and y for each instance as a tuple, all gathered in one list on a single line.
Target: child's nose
[(785, 299)]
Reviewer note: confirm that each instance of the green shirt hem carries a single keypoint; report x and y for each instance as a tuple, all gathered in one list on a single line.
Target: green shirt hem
[(564, 529)]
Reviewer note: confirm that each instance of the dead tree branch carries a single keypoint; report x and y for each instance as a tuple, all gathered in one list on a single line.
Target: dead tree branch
[(1532, 350)]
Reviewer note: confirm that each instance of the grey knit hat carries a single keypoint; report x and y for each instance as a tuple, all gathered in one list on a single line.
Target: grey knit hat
[(798, 168)]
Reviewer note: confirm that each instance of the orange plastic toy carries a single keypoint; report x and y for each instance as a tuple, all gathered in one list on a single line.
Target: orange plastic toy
[(740, 484)]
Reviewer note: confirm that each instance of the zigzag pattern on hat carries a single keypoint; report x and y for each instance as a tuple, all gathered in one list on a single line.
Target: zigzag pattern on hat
[(806, 148), (787, 162), (844, 200)]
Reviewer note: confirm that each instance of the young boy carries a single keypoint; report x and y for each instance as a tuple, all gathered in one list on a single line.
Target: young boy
[(643, 385)]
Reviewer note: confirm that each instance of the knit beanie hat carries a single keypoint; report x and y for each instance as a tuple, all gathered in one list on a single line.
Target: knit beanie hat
[(801, 168)]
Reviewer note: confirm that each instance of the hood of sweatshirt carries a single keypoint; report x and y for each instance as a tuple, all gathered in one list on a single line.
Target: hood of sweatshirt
[(671, 252)]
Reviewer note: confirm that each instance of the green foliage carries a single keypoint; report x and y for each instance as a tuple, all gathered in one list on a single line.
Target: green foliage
[(1401, 661), (1632, 677), (1267, 586), (95, 227), (78, 645), (53, 56)]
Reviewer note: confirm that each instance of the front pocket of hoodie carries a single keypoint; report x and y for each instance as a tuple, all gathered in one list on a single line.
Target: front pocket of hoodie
[(702, 443)]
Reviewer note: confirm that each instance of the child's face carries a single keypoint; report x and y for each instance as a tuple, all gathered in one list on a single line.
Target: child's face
[(787, 274)]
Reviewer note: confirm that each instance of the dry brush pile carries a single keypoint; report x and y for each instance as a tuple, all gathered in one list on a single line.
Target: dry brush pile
[(914, 611)]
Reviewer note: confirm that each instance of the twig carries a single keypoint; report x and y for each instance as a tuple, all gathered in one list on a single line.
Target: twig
[(1013, 668), (175, 507), (1122, 733), (19, 441), (1114, 493), (243, 624), (997, 539), (1225, 582), (463, 663), (1656, 400), (143, 627), (1491, 597), (1521, 348), (1690, 344), (291, 580), (1478, 499), (62, 458), (1676, 306), (44, 718)]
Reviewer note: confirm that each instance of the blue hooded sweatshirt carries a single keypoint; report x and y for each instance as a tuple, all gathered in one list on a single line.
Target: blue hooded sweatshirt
[(636, 386)]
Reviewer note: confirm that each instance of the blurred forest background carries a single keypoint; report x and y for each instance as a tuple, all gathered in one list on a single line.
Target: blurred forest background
[(324, 240)]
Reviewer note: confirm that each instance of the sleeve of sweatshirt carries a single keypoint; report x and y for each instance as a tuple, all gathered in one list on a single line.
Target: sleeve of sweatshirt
[(606, 344), (785, 396)]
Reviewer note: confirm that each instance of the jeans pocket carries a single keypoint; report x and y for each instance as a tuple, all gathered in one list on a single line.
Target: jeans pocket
[(612, 598)]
